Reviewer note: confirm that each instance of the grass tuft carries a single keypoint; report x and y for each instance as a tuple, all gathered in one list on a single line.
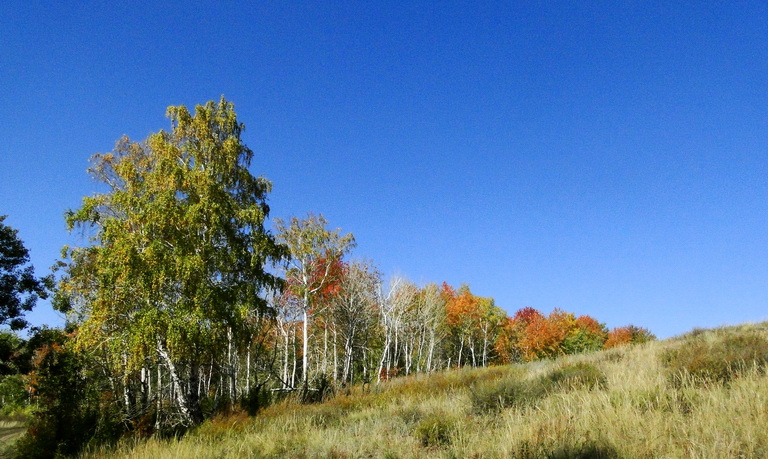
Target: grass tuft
[(434, 431)]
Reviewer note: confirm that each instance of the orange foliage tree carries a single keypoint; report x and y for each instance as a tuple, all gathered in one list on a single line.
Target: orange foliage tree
[(629, 334)]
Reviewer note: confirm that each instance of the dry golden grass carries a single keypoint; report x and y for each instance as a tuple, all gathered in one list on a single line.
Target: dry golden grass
[(639, 411)]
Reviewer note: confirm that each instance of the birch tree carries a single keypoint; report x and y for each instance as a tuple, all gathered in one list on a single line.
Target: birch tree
[(179, 252), (354, 311), (315, 252)]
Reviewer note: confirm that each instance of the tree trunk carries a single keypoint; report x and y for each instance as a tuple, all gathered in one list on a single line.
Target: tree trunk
[(304, 357), (335, 357), (431, 351), (295, 359), (179, 392), (248, 368), (158, 414), (472, 351), (325, 349), (285, 359), (383, 358)]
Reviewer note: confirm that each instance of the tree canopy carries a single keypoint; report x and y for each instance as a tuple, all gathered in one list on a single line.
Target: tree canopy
[(19, 288)]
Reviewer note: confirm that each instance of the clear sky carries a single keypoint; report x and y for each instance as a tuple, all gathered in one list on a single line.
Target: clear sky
[(607, 158)]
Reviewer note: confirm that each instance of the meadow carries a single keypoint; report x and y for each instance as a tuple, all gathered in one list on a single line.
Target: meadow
[(700, 395)]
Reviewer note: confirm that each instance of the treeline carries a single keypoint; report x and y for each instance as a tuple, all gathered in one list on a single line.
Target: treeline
[(361, 329), (184, 302)]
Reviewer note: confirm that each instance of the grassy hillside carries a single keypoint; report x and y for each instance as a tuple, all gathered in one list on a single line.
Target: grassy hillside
[(704, 395)]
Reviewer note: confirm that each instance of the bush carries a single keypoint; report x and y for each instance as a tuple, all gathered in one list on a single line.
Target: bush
[(577, 376), (700, 361), (435, 430)]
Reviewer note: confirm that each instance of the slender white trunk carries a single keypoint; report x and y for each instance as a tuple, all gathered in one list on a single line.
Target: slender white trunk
[(248, 368), (176, 386), (230, 366), (472, 351), (335, 357), (304, 357), (347, 358), (383, 358), (295, 359), (158, 415), (431, 351), (421, 350), (285, 359), (325, 349)]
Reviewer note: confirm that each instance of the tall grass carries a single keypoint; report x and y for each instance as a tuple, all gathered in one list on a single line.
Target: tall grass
[(632, 402)]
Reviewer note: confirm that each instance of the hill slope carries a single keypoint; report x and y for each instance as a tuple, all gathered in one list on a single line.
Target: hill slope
[(704, 394)]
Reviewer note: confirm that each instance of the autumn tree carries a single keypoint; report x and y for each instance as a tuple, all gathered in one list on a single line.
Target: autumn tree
[(505, 343), (430, 316), (19, 288), (353, 314), (315, 250), (472, 322), (586, 335), (628, 335), (394, 302), (179, 254)]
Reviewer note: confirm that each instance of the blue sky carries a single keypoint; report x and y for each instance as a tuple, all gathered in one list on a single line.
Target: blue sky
[(606, 158)]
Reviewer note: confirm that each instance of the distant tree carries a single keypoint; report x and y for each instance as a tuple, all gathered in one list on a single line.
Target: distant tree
[(313, 267), (489, 320), (394, 305), (431, 315), (630, 334), (544, 336), (180, 255), (353, 312), (587, 335), (19, 288)]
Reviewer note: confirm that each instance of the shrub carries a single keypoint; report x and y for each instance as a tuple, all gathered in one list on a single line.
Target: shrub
[(700, 361), (434, 430), (577, 376)]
